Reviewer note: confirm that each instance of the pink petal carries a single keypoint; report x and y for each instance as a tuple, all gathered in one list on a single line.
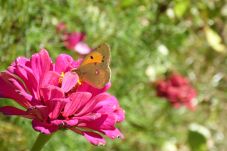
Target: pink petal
[(90, 117), (78, 100), (40, 64), (87, 88), (91, 105), (105, 122), (63, 63), (50, 78), (13, 68), (38, 112), (76, 64), (51, 93), (69, 81), (9, 110), (58, 122), (119, 114), (44, 128), (71, 122), (94, 138), (8, 89), (109, 105), (82, 48), (55, 107), (25, 95), (26, 74), (107, 102), (16, 82), (113, 133), (19, 60)]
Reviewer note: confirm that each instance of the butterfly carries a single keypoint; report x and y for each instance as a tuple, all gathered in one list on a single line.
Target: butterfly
[(94, 68)]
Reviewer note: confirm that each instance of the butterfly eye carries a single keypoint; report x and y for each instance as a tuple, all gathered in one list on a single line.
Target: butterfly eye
[(91, 57), (102, 60)]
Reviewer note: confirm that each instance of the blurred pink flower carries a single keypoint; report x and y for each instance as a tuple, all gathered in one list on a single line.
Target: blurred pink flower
[(177, 90), (53, 99), (61, 27), (74, 41)]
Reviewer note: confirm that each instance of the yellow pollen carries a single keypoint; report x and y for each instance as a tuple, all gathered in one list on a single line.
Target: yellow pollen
[(61, 77), (79, 82)]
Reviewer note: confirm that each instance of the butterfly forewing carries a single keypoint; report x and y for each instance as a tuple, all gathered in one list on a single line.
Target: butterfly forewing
[(104, 49), (101, 54)]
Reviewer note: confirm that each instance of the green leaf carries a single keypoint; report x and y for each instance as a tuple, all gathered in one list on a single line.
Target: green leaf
[(180, 7), (126, 3), (197, 137)]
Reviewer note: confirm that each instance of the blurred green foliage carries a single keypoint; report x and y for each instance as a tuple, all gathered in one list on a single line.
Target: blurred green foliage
[(148, 38)]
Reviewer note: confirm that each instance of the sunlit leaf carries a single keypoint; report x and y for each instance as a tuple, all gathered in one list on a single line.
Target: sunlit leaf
[(170, 146), (180, 7), (126, 3), (214, 40)]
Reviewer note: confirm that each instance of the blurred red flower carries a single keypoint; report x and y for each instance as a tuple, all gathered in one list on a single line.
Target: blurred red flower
[(177, 90)]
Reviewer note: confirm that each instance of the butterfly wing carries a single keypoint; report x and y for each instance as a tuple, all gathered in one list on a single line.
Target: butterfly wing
[(101, 54), (95, 75), (104, 49), (95, 68)]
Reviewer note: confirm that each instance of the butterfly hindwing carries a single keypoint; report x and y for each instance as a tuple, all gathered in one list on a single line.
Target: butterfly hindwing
[(95, 75)]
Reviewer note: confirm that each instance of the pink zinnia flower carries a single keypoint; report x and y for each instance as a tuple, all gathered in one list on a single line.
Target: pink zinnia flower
[(74, 41), (177, 90), (53, 99)]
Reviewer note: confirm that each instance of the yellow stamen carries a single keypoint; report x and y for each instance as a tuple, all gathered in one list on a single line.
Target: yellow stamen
[(61, 77), (79, 82)]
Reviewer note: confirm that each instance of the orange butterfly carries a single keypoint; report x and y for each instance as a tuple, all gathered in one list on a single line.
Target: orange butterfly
[(95, 69)]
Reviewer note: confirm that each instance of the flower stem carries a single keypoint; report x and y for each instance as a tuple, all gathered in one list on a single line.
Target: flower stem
[(41, 140)]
